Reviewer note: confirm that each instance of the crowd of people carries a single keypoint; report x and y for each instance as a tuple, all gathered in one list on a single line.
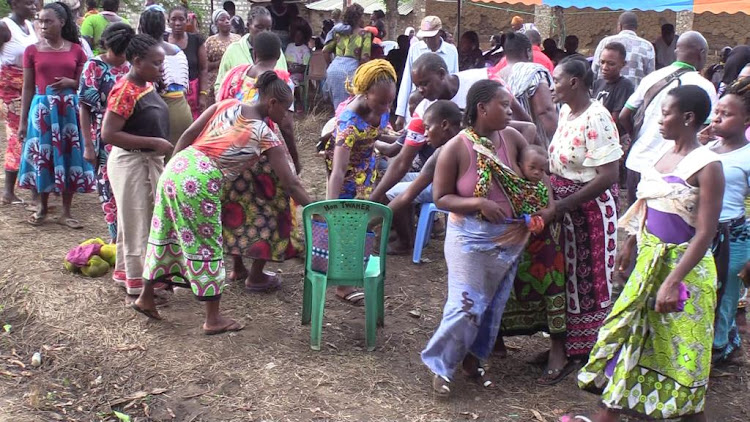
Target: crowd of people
[(190, 145)]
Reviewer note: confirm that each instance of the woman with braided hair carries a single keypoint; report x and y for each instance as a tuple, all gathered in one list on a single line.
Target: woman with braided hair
[(52, 158), (175, 79), (350, 154), (97, 79), (259, 218), (730, 124), (16, 33), (136, 124), (482, 243), (185, 244)]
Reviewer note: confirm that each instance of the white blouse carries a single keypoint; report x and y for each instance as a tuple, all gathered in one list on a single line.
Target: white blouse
[(584, 143)]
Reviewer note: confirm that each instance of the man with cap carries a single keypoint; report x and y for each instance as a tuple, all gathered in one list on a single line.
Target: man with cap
[(430, 41)]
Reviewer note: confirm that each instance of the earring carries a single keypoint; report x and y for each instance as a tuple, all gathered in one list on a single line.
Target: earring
[(687, 124)]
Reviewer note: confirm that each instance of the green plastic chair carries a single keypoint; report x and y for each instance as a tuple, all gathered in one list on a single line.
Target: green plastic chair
[(347, 221)]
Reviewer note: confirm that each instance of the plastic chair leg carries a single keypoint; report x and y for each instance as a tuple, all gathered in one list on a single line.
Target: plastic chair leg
[(306, 301), (318, 308), (371, 313), (424, 227), (381, 303)]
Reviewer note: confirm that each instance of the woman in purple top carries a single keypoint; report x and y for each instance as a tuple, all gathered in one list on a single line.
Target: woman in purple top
[(651, 357)]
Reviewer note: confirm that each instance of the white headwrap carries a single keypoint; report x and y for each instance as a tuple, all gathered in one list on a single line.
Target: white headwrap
[(217, 14), (409, 30)]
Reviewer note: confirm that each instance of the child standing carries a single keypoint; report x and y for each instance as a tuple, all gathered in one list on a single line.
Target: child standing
[(298, 57), (442, 122)]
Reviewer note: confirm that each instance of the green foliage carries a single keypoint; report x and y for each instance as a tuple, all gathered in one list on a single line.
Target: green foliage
[(4, 8)]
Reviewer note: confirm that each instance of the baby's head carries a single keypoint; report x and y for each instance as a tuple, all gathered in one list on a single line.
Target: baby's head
[(442, 121), (414, 99), (533, 162)]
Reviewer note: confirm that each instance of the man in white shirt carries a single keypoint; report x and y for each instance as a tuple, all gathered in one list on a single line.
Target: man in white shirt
[(641, 56), (665, 45), (434, 82), (430, 42), (691, 50)]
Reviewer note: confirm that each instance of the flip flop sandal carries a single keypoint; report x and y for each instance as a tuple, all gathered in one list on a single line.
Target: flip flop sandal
[(554, 376), (273, 283), (353, 298), (36, 219), (34, 207), (12, 202), (441, 386), (480, 377), (150, 313), (70, 222), (233, 327)]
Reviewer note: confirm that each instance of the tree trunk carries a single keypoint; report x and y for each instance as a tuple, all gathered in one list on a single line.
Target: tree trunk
[(391, 18)]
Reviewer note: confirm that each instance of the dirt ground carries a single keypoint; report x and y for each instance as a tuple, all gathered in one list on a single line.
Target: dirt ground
[(100, 357)]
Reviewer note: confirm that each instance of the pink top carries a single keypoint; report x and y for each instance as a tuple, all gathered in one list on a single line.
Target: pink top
[(466, 183), (538, 57), (49, 65)]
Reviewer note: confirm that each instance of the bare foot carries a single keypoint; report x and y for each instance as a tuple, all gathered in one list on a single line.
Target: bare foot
[(146, 307), (11, 198), (221, 325)]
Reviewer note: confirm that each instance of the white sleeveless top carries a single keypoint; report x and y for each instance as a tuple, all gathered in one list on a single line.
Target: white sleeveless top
[(12, 51), (175, 70)]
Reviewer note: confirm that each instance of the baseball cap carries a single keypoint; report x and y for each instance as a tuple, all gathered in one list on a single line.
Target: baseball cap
[(429, 27)]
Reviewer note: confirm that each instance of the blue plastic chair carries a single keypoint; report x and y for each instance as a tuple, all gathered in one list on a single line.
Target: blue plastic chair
[(424, 229), (347, 221)]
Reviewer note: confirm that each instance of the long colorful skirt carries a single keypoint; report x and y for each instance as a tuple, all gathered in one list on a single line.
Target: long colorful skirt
[(104, 189), (53, 151), (10, 107), (537, 301), (258, 216), (590, 244), (185, 243), (726, 335), (339, 72), (482, 259), (656, 365), (193, 95), (180, 116)]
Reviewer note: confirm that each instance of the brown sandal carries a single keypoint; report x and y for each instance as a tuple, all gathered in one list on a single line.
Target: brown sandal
[(441, 386)]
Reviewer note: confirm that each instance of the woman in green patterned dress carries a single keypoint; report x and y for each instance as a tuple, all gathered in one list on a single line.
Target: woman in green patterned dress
[(653, 355), (185, 245)]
